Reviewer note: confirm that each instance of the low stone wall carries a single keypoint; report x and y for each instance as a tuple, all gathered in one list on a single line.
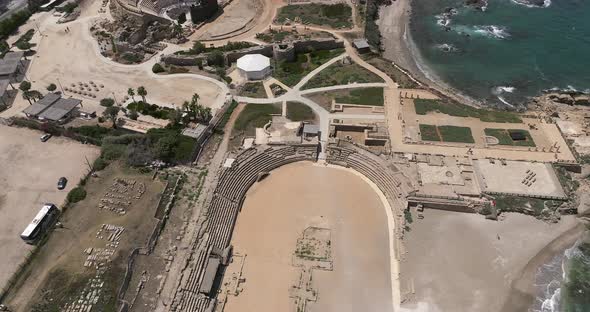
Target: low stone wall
[(269, 50), (183, 60), (448, 204), (317, 44), (266, 50)]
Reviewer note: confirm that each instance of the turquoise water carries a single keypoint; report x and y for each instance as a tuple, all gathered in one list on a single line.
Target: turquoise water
[(509, 51)]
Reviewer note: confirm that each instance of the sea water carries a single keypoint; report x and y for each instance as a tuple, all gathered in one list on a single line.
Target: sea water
[(508, 51), (551, 279)]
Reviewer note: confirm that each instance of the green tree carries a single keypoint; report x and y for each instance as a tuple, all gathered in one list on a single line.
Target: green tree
[(164, 148), (131, 93), (51, 87), (133, 115), (157, 68), (23, 45), (111, 113), (215, 58), (141, 91), (182, 18), (175, 117), (107, 102), (25, 86), (198, 47)]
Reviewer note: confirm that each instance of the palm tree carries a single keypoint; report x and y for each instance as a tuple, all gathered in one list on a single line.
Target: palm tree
[(142, 92), (131, 93), (25, 87)]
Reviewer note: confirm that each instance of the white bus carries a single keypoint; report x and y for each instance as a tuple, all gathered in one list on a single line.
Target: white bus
[(42, 222)]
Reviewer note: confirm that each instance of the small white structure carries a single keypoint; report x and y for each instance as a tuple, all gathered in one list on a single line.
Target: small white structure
[(254, 66)]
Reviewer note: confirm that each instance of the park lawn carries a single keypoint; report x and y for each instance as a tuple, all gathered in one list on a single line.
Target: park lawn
[(255, 116), (363, 96), (446, 134), (253, 89), (290, 73), (456, 134), (424, 106), (339, 74), (504, 138), (429, 133), (299, 112), (335, 15)]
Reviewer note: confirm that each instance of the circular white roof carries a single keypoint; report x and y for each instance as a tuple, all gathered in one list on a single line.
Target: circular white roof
[(253, 62)]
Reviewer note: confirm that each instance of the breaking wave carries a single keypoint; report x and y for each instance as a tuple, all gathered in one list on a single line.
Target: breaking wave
[(498, 91), (528, 4), (491, 31), (446, 47), (498, 32)]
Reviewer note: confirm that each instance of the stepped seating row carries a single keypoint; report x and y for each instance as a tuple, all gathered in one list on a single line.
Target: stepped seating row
[(187, 297), (235, 182), (197, 303), (222, 216), (370, 168), (149, 4)]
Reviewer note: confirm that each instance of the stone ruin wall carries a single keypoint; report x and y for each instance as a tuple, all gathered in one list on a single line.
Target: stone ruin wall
[(269, 50)]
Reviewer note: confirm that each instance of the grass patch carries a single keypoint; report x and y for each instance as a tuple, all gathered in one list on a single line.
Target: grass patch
[(255, 116), (452, 134), (424, 106), (339, 74), (227, 114), (253, 89), (61, 287), (290, 73), (363, 96), (530, 206), (299, 112), (456, 134), (153, 110), (335, 15), (273, 36), (504, 138), (429, 133)]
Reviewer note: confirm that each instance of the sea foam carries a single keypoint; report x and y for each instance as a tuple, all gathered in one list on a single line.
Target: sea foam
[(546, 4)]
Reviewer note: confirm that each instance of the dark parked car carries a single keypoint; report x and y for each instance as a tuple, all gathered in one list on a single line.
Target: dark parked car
[(45, 137), (61, 183)]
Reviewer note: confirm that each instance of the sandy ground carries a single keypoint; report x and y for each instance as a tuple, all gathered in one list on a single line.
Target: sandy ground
[(274, 215), (29, 172), (65, 247), (73, 57), (398, 47), (462, 262)]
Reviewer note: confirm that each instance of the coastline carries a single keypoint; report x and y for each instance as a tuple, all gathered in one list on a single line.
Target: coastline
[(509, 252), (400, 48), (522, 290)]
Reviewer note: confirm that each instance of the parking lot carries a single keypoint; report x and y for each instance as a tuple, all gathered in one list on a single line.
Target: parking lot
[(29, 171)]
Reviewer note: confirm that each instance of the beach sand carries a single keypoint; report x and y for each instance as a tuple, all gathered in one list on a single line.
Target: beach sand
[(398, 47), (276, 212), (463, 262)]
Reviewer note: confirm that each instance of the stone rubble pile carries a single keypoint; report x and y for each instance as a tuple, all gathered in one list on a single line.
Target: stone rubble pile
[(98, 258), (120, 195)]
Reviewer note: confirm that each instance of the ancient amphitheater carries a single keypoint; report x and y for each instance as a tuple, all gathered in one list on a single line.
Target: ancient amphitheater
[(198, 285)]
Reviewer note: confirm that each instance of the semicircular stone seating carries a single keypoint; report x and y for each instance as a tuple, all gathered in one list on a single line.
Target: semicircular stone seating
[(235, 181), (222, 213)]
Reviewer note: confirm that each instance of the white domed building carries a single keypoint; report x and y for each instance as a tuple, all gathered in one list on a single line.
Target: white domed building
[(254, 66)]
